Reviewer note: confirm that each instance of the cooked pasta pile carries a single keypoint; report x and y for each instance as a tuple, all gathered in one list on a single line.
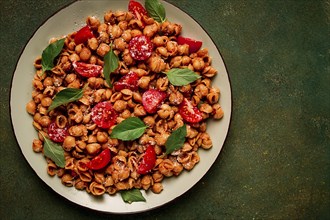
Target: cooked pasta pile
[(85, 139)]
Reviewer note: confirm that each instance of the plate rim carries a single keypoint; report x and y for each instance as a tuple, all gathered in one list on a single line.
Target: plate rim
[(228, 114)]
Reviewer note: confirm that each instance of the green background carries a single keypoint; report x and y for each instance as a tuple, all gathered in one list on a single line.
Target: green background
[(275, 163)]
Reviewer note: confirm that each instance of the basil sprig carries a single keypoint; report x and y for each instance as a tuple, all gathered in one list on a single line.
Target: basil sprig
[(181, 77), (54, 151), (50, 53), (110, 65), (155, 10), (176, 140), (129, 129), (132, 195), (65, 96)]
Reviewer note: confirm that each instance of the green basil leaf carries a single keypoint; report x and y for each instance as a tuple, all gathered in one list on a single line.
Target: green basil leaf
[(54, 151), (155, 10), (129, 129), (50, 53), (111, 61), (132, 195), (65, 96), (182, 77), (176, 140)]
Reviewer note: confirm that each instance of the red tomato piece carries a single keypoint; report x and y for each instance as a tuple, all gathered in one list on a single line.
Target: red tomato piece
[(100, 161), (140, 47), (56, 133), (104, 115), (152, 98), (129, 81), (137, 9), (194, 45), (189, 113), (148, 161), (87, 69), (83, 35)]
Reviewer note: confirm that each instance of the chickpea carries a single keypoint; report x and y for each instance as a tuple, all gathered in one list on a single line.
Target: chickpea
[(85, 54), (135, 32), (93, 22), (70, 78), (103, 49), (115, 31), (93, 148), (37, 146), (74, 57), (198, 64), (127, 35), (183, 49), (92, 43), (150, 30), (31, 107), (185, 60), (157, 188), (46, 101), (44, 121), (78, 48), (102, 137), (48, 81), (69, 143), (123, 25)]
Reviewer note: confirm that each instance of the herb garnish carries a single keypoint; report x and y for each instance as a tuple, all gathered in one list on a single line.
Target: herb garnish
[(181, 77), (176, 140), (50, 53), (132, 195), (110, 65), (129, 129), (65, 96), (155, 10), (54, 151)]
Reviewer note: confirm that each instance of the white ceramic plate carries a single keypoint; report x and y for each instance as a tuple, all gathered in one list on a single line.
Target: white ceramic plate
[(70, 19)]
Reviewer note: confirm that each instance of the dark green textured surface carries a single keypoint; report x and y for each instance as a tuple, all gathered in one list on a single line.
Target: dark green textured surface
[(275, 163)]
